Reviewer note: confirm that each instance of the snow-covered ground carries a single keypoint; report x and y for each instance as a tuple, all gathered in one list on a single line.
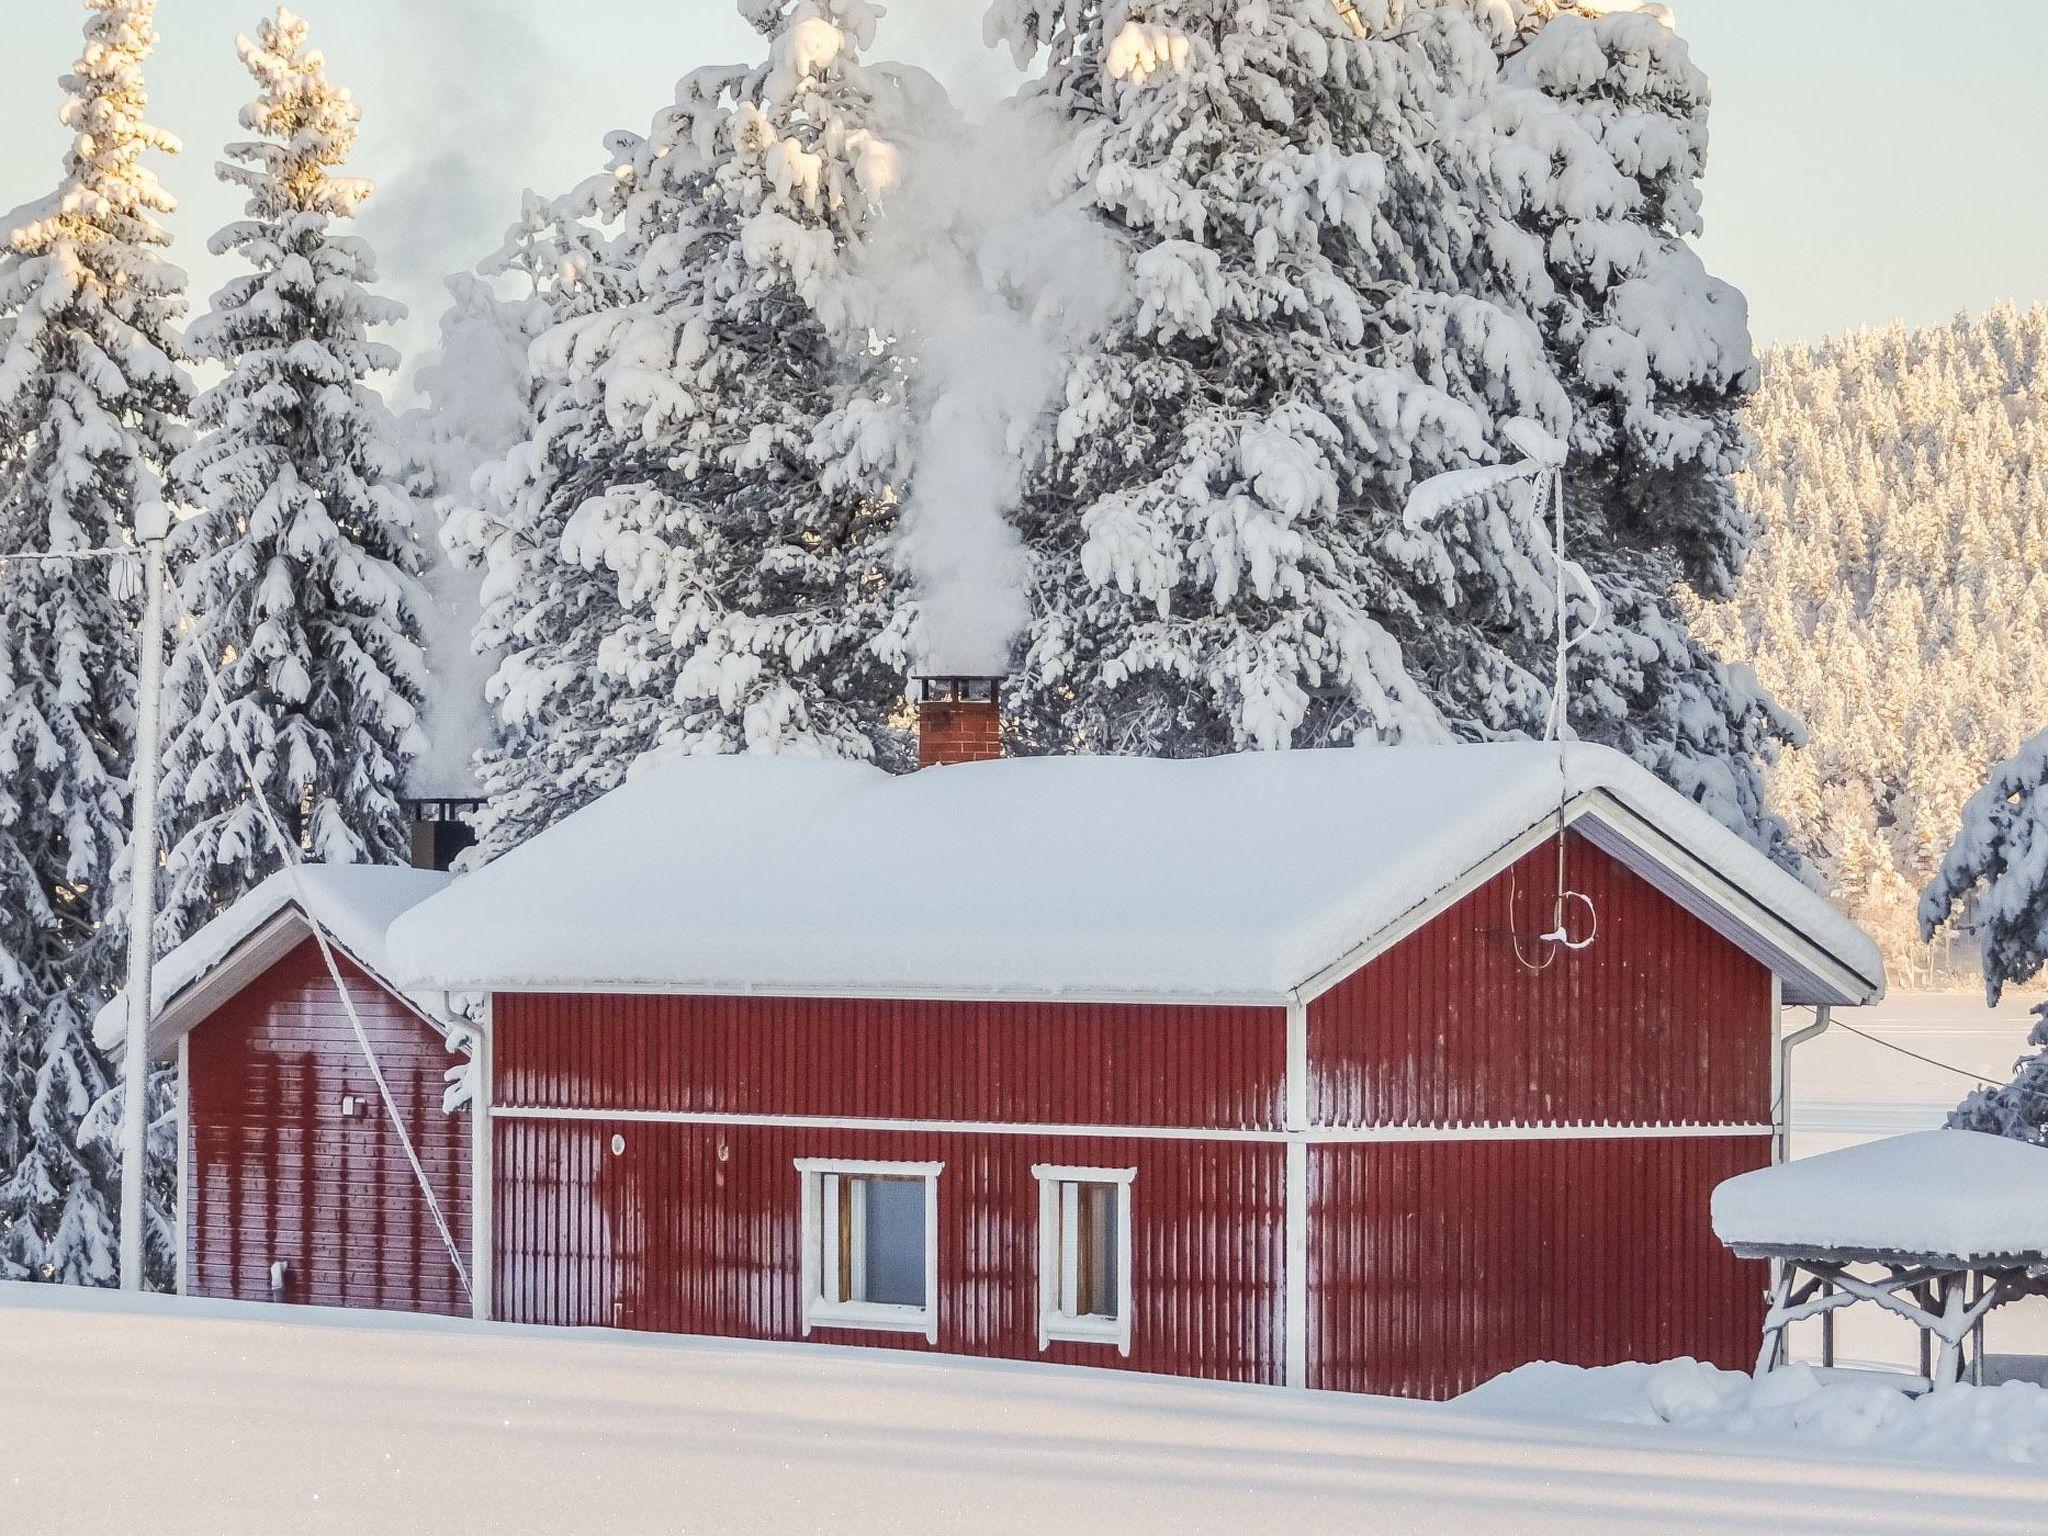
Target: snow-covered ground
[(1847, 1089), (211, 1419), (2006, 1423)]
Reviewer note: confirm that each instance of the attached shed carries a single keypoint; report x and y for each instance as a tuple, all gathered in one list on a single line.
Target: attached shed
[(292, 1185), (1374, 1069)]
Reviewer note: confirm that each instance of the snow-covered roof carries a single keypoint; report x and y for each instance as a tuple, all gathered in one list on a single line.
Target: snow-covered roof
[(1953, 1194), (1234, 877), (355, 903)]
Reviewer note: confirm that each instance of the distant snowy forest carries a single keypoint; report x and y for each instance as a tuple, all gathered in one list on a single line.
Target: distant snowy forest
[(1897, 597)]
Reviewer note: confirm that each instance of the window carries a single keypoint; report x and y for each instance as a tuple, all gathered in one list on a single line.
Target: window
[(870, 1253), (1084, 1255)]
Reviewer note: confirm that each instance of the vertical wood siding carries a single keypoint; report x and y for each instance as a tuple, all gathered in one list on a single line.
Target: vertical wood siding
[(278, 1173), (695, 1229), (1437, 1265), (864, 1059), (1660, 1022)]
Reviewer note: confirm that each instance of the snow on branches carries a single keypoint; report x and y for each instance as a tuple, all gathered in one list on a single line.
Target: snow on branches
[(91, 402), (297, 573)]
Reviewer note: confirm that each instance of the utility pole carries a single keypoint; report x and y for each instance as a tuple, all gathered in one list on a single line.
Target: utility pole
[(152, 527)]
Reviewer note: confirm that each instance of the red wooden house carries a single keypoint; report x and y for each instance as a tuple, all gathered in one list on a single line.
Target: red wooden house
[(1378, 1069)]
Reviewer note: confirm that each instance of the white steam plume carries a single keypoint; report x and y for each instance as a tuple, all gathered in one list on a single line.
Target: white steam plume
[(987, 285)]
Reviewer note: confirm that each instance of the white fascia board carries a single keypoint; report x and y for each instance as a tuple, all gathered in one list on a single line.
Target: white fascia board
[(197, 1001), (883, 994), (1647, 852), (1427, 910)]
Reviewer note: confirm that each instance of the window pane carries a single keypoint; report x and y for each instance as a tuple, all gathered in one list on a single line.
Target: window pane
[(1096, 1276), (893, 1265)]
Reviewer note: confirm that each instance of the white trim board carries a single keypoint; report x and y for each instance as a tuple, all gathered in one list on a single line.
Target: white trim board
[(885, 994), (183, 1272), (1647, 852), (1314, 1135), (246, 962)]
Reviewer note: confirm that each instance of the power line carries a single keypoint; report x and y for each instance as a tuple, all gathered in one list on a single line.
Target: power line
[(1929, 1060)]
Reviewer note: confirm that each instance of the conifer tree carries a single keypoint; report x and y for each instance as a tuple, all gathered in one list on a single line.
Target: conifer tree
[(755, 552), (688, 552), (298, 572), (91, 403), (1594, 141), (1363, 241), (1215, 521), (567, 728), (1895, 598), (1996, 876)]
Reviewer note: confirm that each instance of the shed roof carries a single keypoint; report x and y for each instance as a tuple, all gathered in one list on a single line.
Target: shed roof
[(355, 903), (1238, 878), (1958, 1195)]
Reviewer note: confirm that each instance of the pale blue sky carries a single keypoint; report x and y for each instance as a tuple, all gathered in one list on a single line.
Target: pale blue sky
[(1872, 158)]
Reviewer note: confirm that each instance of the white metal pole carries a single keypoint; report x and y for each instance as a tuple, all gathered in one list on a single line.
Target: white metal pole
[(152, 526)]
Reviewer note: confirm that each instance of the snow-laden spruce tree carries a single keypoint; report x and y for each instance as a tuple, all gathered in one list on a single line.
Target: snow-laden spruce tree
[(297, 575), (566, 729), (755, 553), (1594, 141), (1214, 514), (1995, 879), (1363, 242), (91, 402)]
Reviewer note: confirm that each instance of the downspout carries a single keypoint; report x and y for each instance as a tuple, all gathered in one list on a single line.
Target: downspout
[(1823, 1016)]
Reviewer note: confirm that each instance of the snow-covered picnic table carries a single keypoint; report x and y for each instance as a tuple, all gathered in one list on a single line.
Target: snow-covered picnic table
[(1937, 1227), (1957, 1195)]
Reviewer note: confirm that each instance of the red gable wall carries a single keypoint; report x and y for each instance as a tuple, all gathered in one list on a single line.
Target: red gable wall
[(1438, 1263), (276, 1172), (1660, 1022)]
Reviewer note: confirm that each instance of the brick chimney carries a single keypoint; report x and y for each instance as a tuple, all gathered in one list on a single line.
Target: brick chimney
[(959, 720)]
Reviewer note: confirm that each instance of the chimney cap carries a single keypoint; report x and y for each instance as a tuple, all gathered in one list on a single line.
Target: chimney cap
[(956, 689)]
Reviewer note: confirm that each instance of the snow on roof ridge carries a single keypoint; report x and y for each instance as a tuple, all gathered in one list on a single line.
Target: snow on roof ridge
[(1957, 1193), (1237, 876), (355, 903)]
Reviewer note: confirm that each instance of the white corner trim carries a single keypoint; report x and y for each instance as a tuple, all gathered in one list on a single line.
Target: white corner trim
[(1297, 1066), (482, 1176), (1781, 1119), (1294, 1271), (819, 1241), (1057, 1273), (184, 1223)]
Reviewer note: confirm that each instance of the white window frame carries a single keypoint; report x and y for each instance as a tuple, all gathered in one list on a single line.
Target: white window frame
[(1055, 1208), (818, 1177)]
